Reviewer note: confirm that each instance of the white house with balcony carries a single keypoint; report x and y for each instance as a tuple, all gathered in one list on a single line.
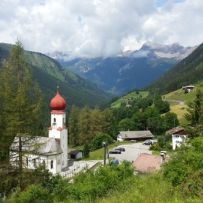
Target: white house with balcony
[(178, 140), (179, 136)]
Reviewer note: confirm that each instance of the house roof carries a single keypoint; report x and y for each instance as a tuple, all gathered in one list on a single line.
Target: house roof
[(38, 145), (136, 134), (147, 163), (74, 152), (176, 130), (188, 87)]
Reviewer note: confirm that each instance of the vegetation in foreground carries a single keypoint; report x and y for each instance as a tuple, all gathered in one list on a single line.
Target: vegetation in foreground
[(179, 181)]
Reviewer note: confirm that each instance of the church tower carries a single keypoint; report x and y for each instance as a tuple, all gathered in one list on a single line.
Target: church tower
[(58, 128)]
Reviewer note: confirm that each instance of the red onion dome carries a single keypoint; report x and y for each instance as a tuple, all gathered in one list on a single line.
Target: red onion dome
[(58, 102)]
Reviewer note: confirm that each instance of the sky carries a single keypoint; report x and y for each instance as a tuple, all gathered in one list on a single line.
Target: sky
[(92, 28)]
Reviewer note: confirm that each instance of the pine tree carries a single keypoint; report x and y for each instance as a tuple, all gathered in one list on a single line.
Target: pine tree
[(194, 115), (73, 126), (21, 102)]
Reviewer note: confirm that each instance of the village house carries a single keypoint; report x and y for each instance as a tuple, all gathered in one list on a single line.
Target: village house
[(179, 136), (51, 151), (134, 135), (188, 88)]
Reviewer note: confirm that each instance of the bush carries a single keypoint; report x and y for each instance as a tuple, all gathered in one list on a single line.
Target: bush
[(186, 166), (33, 194), (97, 141), (193, 185), (90, 185)]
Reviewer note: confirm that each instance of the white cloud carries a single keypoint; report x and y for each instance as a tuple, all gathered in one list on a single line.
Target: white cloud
[(99, 27)]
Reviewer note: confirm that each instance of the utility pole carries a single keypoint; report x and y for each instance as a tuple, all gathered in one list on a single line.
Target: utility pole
[(104, 144)]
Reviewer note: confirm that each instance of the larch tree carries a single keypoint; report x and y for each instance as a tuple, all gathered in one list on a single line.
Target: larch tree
[(21, 101)]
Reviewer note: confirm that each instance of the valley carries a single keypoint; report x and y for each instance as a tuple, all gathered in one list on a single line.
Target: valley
[(130, 70)]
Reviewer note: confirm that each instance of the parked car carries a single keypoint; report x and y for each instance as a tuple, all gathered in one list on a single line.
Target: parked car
[(115, 152), (147, 142), (122, 149)]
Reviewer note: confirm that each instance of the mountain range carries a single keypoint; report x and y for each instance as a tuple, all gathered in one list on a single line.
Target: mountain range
[(187, 71), (49, 73), (128, 70)]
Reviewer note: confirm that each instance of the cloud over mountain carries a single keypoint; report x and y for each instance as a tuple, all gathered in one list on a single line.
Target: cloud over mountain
[(99, 27)]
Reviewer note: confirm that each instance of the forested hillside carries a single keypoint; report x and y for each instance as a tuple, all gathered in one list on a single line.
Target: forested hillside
[(189, 70), (49, 74)]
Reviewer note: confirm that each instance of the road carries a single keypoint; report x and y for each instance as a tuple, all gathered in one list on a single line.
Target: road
[(132, 151), (175, 101)]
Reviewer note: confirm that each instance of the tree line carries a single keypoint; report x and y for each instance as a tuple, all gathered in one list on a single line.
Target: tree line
[(150, 113)]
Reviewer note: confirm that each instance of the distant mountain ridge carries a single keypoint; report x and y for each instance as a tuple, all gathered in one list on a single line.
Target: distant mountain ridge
[(129, 70), (186, 72), (49, 73)]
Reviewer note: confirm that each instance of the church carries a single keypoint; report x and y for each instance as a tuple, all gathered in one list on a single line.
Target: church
[(51, 151)]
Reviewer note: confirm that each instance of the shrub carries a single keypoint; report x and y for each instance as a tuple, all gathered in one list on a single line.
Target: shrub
[(97, 141), (33, 194), (186, 168)]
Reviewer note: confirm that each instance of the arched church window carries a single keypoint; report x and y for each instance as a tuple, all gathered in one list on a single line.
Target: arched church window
[(52, 164), (54, 123)]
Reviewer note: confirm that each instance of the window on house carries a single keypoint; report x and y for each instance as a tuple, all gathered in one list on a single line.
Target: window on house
[(34, 163), (52, 164), (27, 161)]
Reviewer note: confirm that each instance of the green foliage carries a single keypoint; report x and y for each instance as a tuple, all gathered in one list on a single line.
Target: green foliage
[(97, 141), (33, 194), (194, 115), (86, 150), (86, 123), (91, 185), (185, 165), (74, 126), (143, 189), (85, 187), (20, 97), (126, 124), (161, 106), (128, 99)]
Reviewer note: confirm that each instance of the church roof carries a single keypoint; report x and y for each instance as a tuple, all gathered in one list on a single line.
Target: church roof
[(38, 145), (58, 103)]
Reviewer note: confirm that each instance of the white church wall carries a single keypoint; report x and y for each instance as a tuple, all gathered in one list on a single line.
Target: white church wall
[(58, 120), (54, 164)]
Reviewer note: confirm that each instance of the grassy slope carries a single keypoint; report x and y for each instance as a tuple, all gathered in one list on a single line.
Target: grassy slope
[(134, 94), (49, 74), (175, 98), (146, 189)]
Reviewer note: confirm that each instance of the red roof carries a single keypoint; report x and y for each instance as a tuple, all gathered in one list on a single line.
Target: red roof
[(58, 103), (147, 163)]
